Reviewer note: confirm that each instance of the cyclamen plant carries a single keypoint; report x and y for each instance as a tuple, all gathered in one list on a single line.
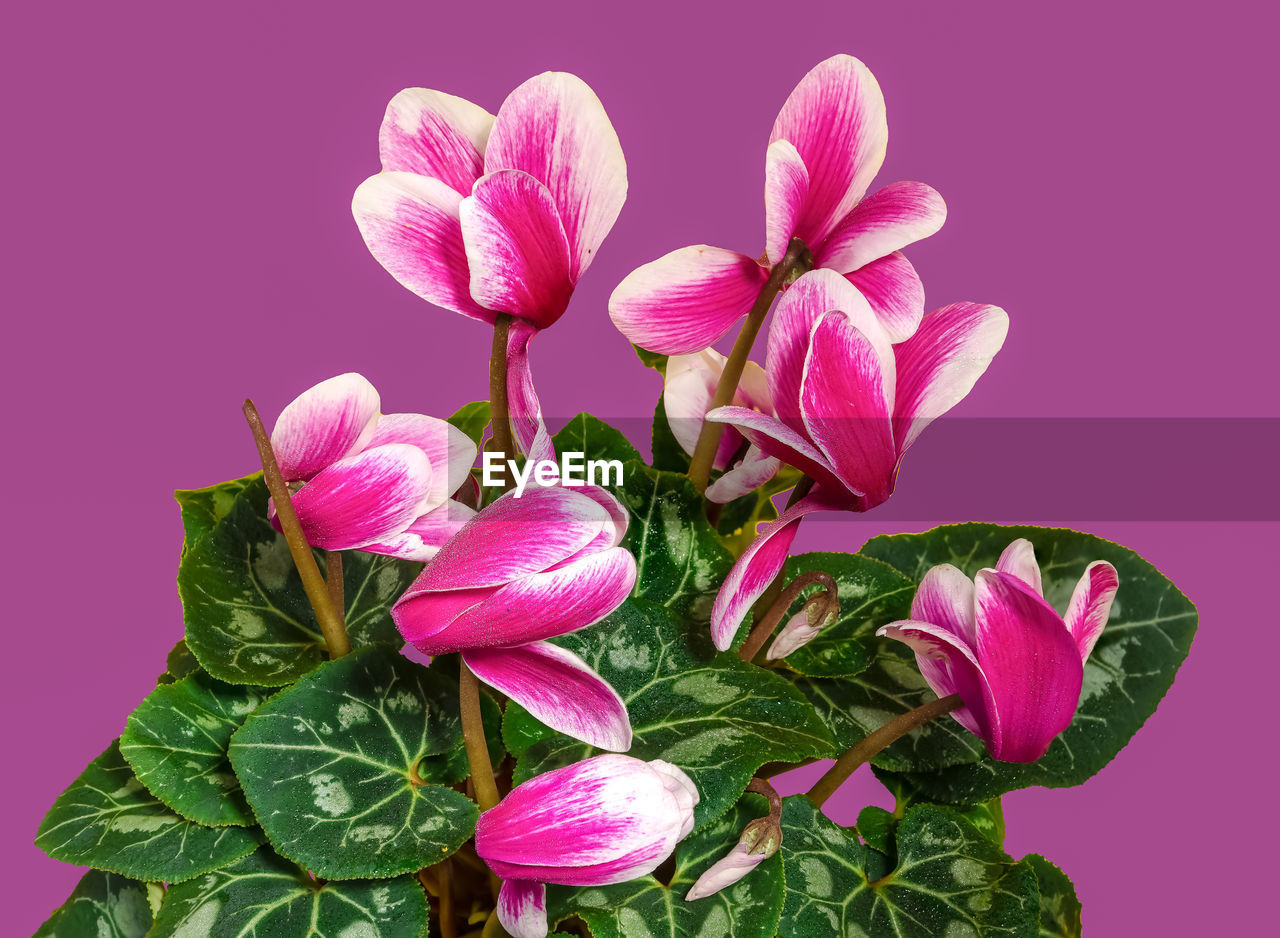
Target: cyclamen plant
[(560, 708)]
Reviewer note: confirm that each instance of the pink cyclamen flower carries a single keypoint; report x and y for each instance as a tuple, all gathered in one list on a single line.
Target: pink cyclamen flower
[(484, 214), (993, 640), (604, 820), (523, 570), (848, 403), (690, 383), (364, 480), (827, 144)]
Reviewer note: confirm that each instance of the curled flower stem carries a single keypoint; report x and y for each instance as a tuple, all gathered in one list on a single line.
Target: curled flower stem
[(762, 787), (473, 732), (877, 740), (331, 624), (499, 410), (761, 631), (797, 259), (333, 579)]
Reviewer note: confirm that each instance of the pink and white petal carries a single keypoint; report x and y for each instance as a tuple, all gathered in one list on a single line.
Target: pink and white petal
[(554, 128), (949, 666), (686, 300), (684, 794), (690, 382), (612, 534), (450, 451), (1090, 605), (753, 389), (752, 573), (1031, 663), (559, 689), (1019, 559), (835, 118), (794, 319), (786, 186), (893, 288), (365, 498), (431, 133), (885, 221), (516, 248), (522, 908), (324, 423), (538, 606), (410, 225), (754, 469), (423, 539), (846, 402), (726, 871), (945, 598), (523, 407), (798, 632), (775, 438), (940, 364)]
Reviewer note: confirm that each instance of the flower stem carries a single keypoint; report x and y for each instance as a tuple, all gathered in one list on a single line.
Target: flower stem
[(761, 631), (473, 732), (877, 740), (797, 258), (499, 410), (331, 624), (333, 579), (762, 787)]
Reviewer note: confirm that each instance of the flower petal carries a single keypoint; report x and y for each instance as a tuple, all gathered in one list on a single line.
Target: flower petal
[(554, 128), (726, 871), (523, 407), (689, 384), (1019, 559), (893, 288), (786, 186), (776, 439), (798, 632), (410, 225), (364, 498), (423, 539), (835, 118), (324, 423), (559, 689), (883, 222), (1090, 605), (431, 133), (522, 908), (1031, 663), (686, 300), (516, 248), (450, 451), (846, 401), (754, 469), (949, 666), (940, 364), (945, 599)]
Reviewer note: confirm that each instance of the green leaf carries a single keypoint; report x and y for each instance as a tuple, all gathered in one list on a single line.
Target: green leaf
[(178, 663), (103, 905), (740, 518), (176, 743), (871, 593), (667, 453), (594, 438), (265, 896), (645, 907), (680, 561), (986, 816), (709, 712), (202, 509), (948, 880), (1130, 670), (1059, 907), (651, 359), (248, 620), (327, 766), (107, 819), (471, 419), (876, 827)]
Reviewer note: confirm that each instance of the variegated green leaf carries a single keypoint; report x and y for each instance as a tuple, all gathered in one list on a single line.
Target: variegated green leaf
[(1059, 907), (103, 905), (595, 439), (203, 508)]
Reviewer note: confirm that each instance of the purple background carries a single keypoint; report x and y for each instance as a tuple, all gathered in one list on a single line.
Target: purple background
[(178, 236)]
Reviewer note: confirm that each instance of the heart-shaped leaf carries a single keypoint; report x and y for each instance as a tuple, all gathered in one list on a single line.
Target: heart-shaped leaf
[(203, 508), (471, 419), (103, 905), (595, 439)]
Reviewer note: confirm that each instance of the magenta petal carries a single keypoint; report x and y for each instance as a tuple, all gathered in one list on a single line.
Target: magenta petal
[(324, 423), (522, 908), (423, 539), (559, 689), (940, 364), (1031, 663), (846, 401), (835, 118), (685, 301), (516, 248), (554, 128), (364, 498), (523, 406), (778, 440), (431, 133), (1090, 605), (893, 288), (786, 185), (1019, 559), (945, 598), (883, 222), (410, 225), (450, 451)]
